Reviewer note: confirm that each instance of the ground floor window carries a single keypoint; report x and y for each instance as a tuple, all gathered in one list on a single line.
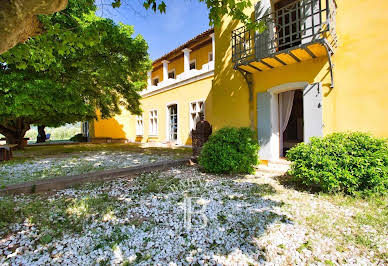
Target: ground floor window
[(196, 112), (154, 122), (173, 122), (139, 125), (85, 129)]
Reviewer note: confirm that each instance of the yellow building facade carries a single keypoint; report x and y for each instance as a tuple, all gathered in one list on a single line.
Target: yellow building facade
[(178, 87), (316, 67), (331, 54)]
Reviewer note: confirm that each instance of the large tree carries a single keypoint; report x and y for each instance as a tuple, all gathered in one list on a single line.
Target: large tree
[(82, 63), (18, 18)]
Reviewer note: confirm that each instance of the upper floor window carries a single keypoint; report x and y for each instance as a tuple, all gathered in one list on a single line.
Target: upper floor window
[(196, 112), (171, 74), (154, 122), (193, 64), (139, 125), (155, 81), (210, 56)]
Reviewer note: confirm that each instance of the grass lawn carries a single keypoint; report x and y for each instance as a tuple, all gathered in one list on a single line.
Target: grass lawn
[(38, 162), (250, 220)]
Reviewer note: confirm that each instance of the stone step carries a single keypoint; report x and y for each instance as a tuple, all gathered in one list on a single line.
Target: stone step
[(275, 167)]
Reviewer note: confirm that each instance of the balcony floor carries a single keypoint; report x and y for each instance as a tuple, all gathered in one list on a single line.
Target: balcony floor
[(288, 56)]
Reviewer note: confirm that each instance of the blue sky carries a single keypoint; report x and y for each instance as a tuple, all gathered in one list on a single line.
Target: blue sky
[(183, 20)]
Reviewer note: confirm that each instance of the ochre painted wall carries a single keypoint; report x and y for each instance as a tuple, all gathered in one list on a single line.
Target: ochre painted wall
[(361, 80), (359, 98), (158, 72), (201, 55), (177, 64), (124, 125)]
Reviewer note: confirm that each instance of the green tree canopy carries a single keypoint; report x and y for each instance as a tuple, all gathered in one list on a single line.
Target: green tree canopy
[(82, 63), (217, 9)]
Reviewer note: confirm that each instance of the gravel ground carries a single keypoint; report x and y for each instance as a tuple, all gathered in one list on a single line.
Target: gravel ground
[(235, 220), (71, 164)]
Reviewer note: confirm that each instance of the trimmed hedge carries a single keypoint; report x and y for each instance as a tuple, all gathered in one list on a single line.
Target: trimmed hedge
[(347, 162), (230, 150)]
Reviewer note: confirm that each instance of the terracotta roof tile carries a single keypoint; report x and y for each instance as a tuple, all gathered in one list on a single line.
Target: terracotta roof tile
[(185, 45)]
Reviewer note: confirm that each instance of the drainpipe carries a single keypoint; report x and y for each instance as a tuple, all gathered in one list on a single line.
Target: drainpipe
[(249, 79)]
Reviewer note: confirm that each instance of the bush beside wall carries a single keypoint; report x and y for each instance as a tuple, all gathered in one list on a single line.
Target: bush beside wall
[(230, 150), (346, 162)]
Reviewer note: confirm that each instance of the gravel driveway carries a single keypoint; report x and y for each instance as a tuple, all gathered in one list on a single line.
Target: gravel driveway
[(72, 164), (185, 217)]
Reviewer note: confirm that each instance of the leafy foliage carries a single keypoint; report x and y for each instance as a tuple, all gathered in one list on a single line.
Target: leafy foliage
[(230, 150), (80, 64), (217, 9), (347, 162)]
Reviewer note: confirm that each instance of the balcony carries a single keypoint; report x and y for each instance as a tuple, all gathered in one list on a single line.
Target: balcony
[(181, 79), (299, 31)]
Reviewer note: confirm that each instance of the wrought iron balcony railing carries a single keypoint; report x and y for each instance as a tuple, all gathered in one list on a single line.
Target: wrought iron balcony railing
[(296, 25)]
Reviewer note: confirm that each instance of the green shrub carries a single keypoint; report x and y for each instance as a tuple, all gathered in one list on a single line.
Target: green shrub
[(79, 138), (230, 150), (346, 162)]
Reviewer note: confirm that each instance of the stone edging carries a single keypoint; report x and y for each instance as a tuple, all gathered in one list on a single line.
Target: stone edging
[(62, 182)]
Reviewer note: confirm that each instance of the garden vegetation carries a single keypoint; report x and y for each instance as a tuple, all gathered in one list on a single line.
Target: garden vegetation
[(353, 163), (230, 150)]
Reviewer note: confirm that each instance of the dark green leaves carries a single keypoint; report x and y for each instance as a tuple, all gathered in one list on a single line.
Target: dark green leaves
[(217, 9), (82, 63), (230, 150), (346, 162)]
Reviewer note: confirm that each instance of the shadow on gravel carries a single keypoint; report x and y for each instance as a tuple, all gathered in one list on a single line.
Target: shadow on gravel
[(289, 182)]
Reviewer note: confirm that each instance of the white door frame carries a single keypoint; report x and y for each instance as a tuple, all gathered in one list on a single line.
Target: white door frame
[(275, 135), (168, 122)]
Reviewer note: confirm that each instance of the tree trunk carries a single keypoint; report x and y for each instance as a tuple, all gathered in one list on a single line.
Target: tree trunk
[(41, 135), (14, 131)]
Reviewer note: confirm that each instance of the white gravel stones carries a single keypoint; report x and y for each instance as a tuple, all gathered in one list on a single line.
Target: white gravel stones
[(72, 164), (230, 224)]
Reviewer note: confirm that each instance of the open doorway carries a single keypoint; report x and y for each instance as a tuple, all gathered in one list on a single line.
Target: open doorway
[(290, 120)]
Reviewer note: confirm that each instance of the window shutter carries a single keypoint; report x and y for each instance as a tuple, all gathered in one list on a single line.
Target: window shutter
[(263, 43), (312, 111), (264, 128)]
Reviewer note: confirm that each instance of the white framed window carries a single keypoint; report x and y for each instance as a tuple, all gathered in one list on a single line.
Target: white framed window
[(171, 74), (85, 129), (210, 56), (193, 64), (155, 81), (197, 109), (154, 122), (172, 122), (139, 125)]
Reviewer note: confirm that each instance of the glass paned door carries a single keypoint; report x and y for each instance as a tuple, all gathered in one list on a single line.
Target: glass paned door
[(173, 122)]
